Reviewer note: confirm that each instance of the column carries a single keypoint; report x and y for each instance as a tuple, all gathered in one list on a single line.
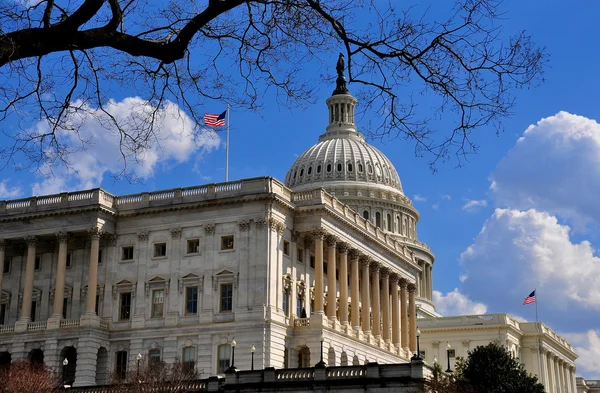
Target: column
[(412, 320), (403, 313), (395, 311), (430, 282), (385, 303), (319, 235), (354, 291), (28, 286), (90, 308), (565, 377), (572, 380), (61, 269), (425, 280), (375, 301), (2, 256), (366, 299), (331, 281), (343, 253), (550, 368)]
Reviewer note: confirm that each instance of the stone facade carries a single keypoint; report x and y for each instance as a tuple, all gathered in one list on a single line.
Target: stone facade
[(588, 386)]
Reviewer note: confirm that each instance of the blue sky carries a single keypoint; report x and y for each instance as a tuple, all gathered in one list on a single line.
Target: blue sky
[(544, 182)]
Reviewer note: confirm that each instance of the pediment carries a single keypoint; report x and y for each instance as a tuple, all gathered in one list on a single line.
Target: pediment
[(157, 279), (191, 276), (225, 272), (123, 283)]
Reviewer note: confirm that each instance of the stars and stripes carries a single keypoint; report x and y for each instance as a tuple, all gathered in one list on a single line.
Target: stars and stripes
[(214, 120), (529, 299)]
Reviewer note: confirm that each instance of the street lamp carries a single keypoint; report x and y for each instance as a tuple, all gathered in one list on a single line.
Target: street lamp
[(448, 348), (232, 367), (321, 362), (138, 357), (417, 356), (252, 350), (65, 364)]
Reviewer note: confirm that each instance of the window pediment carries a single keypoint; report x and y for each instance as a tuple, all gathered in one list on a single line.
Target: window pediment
[(157, 282), (124, 286), (225, 275), (191, 279)]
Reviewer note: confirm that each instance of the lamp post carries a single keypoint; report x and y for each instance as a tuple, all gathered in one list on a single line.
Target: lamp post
[(448, 348), (252, 350), (321, 362), (65, 363), (232, 367), (417, 356), (138, 357)]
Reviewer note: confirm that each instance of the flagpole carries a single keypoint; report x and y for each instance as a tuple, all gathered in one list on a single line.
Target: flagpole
[(539, 344), (227, 149)]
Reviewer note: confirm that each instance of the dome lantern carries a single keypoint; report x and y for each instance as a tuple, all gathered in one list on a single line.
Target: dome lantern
[(341, 104)]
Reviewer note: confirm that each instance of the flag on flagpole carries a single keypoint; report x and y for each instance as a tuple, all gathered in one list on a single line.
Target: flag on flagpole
[(529, 299), (215, 120)]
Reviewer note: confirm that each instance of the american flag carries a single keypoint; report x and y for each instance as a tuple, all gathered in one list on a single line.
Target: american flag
[(215, 120), (530, 299)]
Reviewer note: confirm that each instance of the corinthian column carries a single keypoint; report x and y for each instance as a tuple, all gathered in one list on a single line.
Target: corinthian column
[(403, 314), (395, 311), (90, 308), (343, 253), (385, 303), (412, 320), (366, 300), (319, 235), (375, 301), (2, 256), (28, 286), (61, 269), (331, 282), (354, 291)]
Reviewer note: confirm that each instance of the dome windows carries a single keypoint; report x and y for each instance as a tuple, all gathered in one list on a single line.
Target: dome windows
[(319, 168), (309, 170), (295, 172), (301, 172), (349, 167), (369, 169), (389, 222), (378, 219), (339, 167), (360, 167), (328, 167), (366, 214)]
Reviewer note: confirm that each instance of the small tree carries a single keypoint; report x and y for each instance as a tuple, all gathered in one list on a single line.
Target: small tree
[(23, 377), (156, 377)]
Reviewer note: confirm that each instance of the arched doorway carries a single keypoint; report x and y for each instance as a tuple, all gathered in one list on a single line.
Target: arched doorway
[(5, 359), (36, 358), (331, 357), (344, 359), (68, 371), (304, 358), (102, 367)]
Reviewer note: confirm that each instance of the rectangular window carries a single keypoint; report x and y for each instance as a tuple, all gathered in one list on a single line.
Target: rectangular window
[(2, 313), (312, 261), (191, 300), (153, 358), (127, 253), (285, 305), (158, 300), (226, 297), (193, 246), (125, 306), (188, 359), (100, 256), (38, 262), (227, 242), (69, 259), (224, 356), (299, 307), (6, 267), (33, 310), (65, 307), (121, 364), (300, 255), (97, 303), (160, 250), (286, 247)]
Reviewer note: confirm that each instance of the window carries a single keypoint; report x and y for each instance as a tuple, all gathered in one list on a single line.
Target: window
[(339, 167), (299, 255), (299, 306), (286, 247), (6, 267), (366, 214), (389, 222), (304, 358), (286, 300), (160, 250), (318, 168), (153, 358), (309, 170), (226, 297), (227, 242), (360, 167), (65, 307), (99, 256), (312, 261), (125, 306), (38, 262), (121, 364), (191, 300), (378, 219), (2, 313), (285, 358), (33, 310), (349, 167), (370, 168), (451, 353), (301, 172), (193, 246), (158, 301), (97, 303), (69, 259), (188, 359), (295, 173), (328, 167), (224, 356), (127, 253)]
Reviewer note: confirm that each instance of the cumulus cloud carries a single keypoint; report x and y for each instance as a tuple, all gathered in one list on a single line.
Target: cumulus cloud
[(419, 198), (587, 346), (474, 205), (456, 303), (7, 192), (553, 167), (177, 141)]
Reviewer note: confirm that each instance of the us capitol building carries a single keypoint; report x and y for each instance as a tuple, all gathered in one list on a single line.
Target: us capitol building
[(330, 257)]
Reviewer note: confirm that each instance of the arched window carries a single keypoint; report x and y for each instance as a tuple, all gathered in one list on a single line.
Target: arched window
[(366, 214), (295, 174), (328, 167), (360, 167), (369, 168), (349, 167), (318, 168), (309, 170), (378, 219), (389, 222), (301, 172), (304, 358)]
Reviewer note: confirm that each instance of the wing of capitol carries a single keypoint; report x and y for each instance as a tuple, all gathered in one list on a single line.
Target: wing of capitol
[(324, 268)]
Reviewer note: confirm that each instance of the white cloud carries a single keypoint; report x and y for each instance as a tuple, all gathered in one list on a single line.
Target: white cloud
[(177, 141), (446, 197), (435, 206), (474, 205), (554, 167), (456, 303), (7, 192), (419, 198), (587, 346)]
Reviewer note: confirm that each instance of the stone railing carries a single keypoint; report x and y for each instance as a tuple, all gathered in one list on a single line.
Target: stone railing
[(7, 328), (34, 326), (199, 385), (301, 322), (64, 200), (467, 320), (347, 372), (69, 323), (294, 374)]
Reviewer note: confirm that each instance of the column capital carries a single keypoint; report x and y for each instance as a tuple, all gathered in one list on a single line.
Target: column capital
[(331, 240), (95, 233), (308, 241), (403, 282), (412, 288), (375, 266), (319, 233), (31, 240), (354, 253), (365, 260), (3, 244), (394, 278), (343, 247), (62, 236), (384, 272)]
